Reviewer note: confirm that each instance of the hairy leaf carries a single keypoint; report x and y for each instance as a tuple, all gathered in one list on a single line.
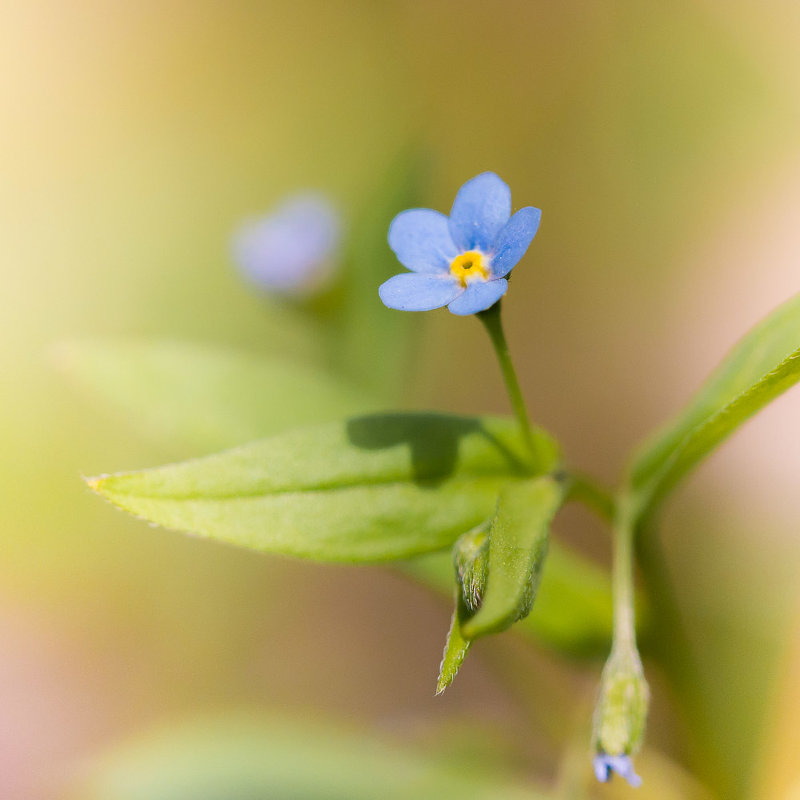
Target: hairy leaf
[(765, 363), (455, 649), (369, 489)]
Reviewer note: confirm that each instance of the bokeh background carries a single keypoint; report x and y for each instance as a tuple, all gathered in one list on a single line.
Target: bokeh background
[(660, 140)]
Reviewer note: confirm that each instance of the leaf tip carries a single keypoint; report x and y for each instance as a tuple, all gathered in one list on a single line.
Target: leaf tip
[(96, 483)]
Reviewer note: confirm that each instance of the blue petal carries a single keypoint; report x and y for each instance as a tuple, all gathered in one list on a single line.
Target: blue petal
[(414, 292), (514, 240), (481, 209), (623, 766), (479, 296), (604, 765), (291, 250), (421, 240), (601, 770)]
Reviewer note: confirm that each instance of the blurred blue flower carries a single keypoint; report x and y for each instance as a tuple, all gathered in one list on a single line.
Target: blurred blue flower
[(290, 251), (604, 765), (461, 261)]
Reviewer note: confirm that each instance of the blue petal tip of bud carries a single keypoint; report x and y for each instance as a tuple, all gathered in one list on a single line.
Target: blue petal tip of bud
[(605, 766)]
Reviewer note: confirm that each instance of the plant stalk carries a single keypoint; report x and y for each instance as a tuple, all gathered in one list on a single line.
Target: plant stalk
[(492, 321)]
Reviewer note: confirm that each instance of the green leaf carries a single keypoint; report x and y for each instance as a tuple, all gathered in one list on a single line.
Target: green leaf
[(518, 540), (765, 363), (250, 759), (455, 649), (207, 398), (367, 489)]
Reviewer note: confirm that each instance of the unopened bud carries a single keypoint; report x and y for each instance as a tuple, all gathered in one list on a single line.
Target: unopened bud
[(471, 561), (291, 252), (620, 715)]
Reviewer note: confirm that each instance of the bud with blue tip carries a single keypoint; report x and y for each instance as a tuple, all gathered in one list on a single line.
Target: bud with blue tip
[(620, 716)]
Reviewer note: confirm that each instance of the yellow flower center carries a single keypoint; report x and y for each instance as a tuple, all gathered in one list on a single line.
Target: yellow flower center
[(469, 267)]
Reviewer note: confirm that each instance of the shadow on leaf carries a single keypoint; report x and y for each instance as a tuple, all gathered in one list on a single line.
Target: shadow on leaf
[(432, 438)]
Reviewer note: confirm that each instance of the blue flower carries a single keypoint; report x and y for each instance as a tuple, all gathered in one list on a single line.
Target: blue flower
[(462, 261), (604, 765), (290, 251)]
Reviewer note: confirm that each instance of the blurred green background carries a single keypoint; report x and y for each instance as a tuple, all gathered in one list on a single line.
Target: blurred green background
[(661, 142)]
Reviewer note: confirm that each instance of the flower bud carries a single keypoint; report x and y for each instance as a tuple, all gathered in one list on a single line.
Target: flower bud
[(471, 561), (291, 251), (620, 715)]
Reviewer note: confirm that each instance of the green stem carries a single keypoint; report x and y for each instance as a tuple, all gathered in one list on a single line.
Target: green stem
[(586, 490), (494, 327), (622, 578)]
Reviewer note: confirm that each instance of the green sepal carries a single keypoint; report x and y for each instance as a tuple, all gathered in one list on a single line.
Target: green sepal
[(471, 562), (620, 715)]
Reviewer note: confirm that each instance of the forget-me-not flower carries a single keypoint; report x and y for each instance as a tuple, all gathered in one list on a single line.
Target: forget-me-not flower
[(290, 251), (604, 765), (462, 261)]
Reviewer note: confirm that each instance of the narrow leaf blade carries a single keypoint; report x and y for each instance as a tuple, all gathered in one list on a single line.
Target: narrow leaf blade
[(764, 364), (455, 650)]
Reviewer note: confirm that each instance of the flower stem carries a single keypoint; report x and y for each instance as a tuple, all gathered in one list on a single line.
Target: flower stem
[(587, 491), (494, 327), (622, 578)]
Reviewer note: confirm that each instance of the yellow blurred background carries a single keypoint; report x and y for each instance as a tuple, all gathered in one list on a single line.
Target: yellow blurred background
[(660, 141)]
